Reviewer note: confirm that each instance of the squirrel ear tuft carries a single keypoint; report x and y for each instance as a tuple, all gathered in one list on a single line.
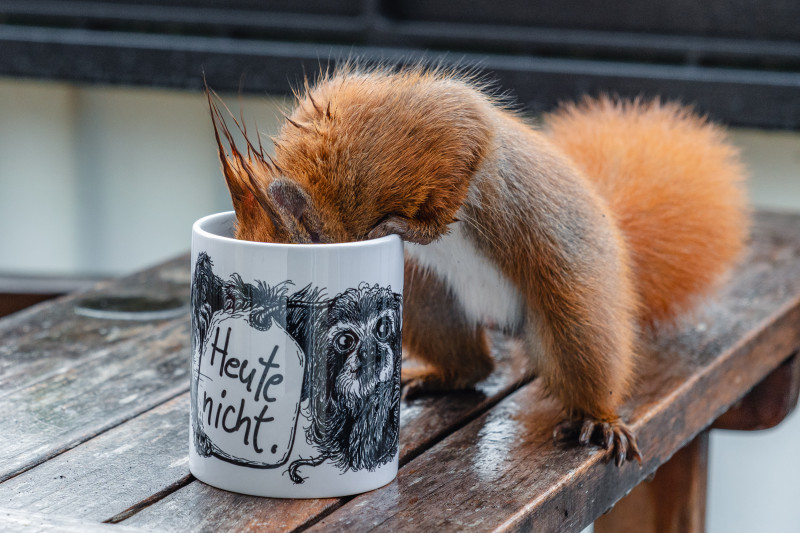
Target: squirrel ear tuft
[(289, 197)]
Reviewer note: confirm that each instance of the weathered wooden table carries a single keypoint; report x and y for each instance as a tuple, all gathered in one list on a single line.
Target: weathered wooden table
[(94, 426)]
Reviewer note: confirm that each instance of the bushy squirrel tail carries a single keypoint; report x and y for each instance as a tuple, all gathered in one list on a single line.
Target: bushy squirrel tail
[(675, 186)]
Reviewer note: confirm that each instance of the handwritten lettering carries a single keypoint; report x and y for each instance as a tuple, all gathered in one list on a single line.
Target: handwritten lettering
[(228, 416)]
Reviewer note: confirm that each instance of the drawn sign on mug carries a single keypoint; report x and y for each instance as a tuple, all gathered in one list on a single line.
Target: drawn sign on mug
[(250, 412)]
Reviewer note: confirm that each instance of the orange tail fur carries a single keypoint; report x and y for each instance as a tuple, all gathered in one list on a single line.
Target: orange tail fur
[(675, 186)]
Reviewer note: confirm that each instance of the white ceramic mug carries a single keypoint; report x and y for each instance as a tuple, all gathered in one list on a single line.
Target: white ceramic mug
[(295, 387)]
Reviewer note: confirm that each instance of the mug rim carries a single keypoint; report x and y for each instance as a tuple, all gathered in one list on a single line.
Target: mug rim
[(198, 229)]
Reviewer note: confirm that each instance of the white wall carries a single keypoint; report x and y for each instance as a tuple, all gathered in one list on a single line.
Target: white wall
[(38, 178), (105, 181), (109, 180)]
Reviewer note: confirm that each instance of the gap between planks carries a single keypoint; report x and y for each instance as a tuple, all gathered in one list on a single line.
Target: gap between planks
[(163, 493), (90, 436)]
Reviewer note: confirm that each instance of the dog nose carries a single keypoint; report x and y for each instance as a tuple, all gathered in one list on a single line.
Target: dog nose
[(370, 355)]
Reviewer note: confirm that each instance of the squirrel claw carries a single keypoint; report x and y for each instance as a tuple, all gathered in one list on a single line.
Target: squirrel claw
[(586, 432), (610, 435)]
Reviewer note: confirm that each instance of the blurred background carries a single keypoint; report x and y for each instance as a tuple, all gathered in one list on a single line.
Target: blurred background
[(107, 153)]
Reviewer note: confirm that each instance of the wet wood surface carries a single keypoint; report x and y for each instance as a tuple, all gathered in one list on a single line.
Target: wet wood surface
[(49, 338), (98, 430), (68, 408), (26, 522)]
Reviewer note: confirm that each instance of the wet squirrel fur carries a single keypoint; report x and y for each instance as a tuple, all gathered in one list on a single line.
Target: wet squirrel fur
[(612, 217)]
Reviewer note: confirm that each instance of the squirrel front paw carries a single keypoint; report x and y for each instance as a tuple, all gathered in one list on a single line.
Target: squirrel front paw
[(409, 230), (611, 435)]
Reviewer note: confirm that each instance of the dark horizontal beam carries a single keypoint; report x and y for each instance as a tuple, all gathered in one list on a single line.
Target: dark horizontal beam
[(376, 24), (742, 97), (44, 284), (592, 44), (169, 17)]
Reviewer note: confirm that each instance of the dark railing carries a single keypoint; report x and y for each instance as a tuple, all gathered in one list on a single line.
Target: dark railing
[(738, 61), (20, 291)]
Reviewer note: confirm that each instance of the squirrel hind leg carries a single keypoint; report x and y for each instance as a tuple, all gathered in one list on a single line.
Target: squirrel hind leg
[(613, 435), (455, 352)]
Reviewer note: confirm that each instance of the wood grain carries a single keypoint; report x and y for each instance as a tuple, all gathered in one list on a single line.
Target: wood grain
[(110, 473), (768, 403), (199, 507), (63, 410), (674, 501), (100, 493), (471, 461), (49, 338)]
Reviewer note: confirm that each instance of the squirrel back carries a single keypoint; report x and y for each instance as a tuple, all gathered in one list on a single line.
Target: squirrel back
[(674, 185), (671, 180)]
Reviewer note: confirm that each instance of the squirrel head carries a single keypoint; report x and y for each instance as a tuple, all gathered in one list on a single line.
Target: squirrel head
[(363, 153)]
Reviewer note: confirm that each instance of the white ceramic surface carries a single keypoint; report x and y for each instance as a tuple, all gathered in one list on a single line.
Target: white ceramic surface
[(295, 363)]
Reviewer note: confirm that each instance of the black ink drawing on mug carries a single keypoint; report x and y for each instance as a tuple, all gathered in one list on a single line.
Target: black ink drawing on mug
[(245, 382), (351, 371), (352, 380)]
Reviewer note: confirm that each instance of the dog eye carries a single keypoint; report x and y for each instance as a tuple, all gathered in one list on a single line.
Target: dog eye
[(383, 329), (344, 342)]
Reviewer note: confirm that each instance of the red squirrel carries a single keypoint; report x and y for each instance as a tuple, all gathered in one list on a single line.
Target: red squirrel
[(574, 237)]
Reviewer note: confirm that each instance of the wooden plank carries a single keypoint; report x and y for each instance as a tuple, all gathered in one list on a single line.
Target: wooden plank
[(489, 453), (14, 521), (112, 476), (768, 403), (199, 507), (99, 497), (699, 342), (425, 421), (108, 474), (13, 302), (674, 501), (48, 339), (57, 413), (502, 472)]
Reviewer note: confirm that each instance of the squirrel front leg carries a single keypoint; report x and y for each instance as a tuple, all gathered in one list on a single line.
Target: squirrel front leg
[(579, 331), (591, 411), (437, 332), (557, 241)]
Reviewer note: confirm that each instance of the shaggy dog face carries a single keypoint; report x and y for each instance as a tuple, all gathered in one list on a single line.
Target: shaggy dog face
[(362, 354), (352, 382)]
